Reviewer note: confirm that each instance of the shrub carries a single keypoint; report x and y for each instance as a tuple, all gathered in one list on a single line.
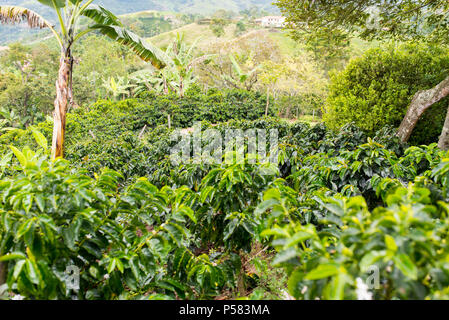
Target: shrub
[(335, 204), (124, 242), (105, 120), (399, 250), (347, 203), (376, 89)]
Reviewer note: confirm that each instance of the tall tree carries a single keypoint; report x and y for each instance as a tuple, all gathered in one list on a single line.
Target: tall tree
[(425, 20), (69, 13)]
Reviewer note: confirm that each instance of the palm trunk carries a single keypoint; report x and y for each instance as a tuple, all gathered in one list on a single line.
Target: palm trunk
[(181, 88), (268, 102), (422, 101), (165, 86), (2, 273), (443, 142), (72, 103), (61, 104)]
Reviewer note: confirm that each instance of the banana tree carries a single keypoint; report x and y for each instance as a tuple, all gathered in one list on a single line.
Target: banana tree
[(118, 88), (69, 13), (238, 77), (181, 60), (145, 80)]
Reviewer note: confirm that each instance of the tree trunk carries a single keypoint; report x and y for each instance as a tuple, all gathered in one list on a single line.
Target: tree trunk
[(61, 104), (181, 88), (268, 102), (443, 142), (2, 273), (165, 86), (72, 103), (420, 103)]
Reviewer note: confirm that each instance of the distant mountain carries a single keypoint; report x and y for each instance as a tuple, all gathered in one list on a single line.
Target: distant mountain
[(205, 7), (185, 6)]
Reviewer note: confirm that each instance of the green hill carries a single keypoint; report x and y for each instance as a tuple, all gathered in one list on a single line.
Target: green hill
[(192, 32), (204, 7)]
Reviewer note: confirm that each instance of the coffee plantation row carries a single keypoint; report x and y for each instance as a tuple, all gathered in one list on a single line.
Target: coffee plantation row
[(342, 215)]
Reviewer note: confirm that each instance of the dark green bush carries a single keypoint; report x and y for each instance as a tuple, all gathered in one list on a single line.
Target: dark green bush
[(376, 89)]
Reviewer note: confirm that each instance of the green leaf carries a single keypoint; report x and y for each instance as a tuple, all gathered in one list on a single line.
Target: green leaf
[(390, 243), (13, 256), (33, 272), (185, 210), (40, 138), (5, 159), (336, 287), (297, 238), (205, 192), (230, 228), (40, 201), (85, 194), (295, 283), (119, 265), (134, 265), (19, 155), (264, 206), (18, 268), (175, 232), (141, 47), (285, 256), (101, 15), (278, 232), (25, 227), (406, 265), (371, 258), (112, 265)]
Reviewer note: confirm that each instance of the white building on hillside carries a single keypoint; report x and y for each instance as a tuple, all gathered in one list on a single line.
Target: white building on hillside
[(271, 21)]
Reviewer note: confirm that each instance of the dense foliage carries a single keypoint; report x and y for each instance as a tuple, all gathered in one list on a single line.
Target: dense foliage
[(344, 210), (376, 89), (120, 135), (371, 19)]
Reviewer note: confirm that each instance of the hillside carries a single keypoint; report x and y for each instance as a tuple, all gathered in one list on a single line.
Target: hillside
[(204, 35), (193, 32), (203, 7), (185, 6), (169, 153)]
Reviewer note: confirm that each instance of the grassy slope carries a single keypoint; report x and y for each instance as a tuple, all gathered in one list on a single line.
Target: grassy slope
[(287, 45), (188, 6), (194, 31), (30, 37)]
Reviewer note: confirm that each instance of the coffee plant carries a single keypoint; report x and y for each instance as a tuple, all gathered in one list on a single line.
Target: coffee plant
[(342, 215)]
